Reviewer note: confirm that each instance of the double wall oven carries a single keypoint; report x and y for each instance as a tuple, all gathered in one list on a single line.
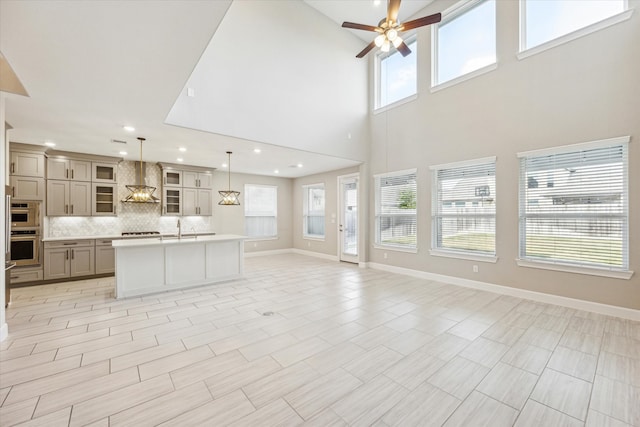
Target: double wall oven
[(25, 233)]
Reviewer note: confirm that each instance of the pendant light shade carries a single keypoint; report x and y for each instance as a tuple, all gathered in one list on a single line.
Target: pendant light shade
[(140, 192), (229, 197)]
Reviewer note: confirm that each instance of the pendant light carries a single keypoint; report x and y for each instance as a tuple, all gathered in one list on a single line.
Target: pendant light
[(140, 192), (229, 197)]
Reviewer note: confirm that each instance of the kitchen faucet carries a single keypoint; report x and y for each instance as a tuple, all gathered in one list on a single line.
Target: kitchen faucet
[(179, 229)]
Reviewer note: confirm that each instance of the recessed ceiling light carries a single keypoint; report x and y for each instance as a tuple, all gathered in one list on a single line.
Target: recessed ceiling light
[(377, 2), (50, 144), (299, 165), (276, 171), (257, 150), (182, 149), (123, 153), (224, 165), (180, 159), (129, 128)]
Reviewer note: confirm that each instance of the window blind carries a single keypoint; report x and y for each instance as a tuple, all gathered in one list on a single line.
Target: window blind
[(464, 207), (313, 210), (574, 207), (396, 203), (261, 210)]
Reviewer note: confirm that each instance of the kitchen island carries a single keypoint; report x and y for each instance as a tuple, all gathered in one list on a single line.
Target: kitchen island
[(145, 266)]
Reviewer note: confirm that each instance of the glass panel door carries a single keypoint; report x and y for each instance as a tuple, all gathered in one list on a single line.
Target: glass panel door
[(349, 218)]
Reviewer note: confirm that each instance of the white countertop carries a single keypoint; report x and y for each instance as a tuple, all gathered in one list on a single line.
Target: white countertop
[(120, 237), (157, 241)]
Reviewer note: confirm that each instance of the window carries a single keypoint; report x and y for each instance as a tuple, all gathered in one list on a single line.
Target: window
[(396, 196), (313, 210), (574, 205), (261, 211), (543, 21), (397, 75), (464, 41), (464, 208)]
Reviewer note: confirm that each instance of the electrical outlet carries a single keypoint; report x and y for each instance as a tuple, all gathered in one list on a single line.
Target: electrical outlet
[(475, 268), (385, 255)]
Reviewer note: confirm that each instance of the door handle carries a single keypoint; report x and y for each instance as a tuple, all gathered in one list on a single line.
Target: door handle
[(66, 254), (340, 227), (73, 254)]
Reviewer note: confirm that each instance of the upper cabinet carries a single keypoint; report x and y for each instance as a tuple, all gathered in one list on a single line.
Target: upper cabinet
[(68, 169), (192, 179), (171, 178), (104, 172), (25, 163)]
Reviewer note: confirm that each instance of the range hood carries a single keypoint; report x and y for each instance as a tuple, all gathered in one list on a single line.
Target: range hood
[(141, 192)]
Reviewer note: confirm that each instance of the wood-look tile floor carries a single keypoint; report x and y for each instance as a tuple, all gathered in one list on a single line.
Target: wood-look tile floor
[(342, 346)]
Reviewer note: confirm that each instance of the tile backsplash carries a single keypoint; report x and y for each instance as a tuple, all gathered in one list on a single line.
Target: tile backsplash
[(131, 216)]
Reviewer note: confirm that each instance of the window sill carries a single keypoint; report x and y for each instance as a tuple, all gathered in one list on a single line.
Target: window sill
[(467, 256), (597, 26), (567, 268), (395, 104), (464, 77), (259, 239), (316, 239), (396, 248)]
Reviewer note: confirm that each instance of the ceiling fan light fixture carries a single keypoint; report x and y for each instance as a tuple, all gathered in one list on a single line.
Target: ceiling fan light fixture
[(379, 40), (385, 46), (392, 34), (397, 42)]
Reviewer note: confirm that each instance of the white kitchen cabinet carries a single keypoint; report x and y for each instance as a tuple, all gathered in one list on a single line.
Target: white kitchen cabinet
[(104, 172), (171, 201), (171, 178), (69, 258), (24, 163), (105, 257), (194, 179), (196, 202), (27, 187), (68, 169), (105, 197), (68, 198)]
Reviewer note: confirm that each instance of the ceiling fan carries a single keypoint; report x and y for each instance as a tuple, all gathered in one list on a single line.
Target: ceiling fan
[(388, 29)]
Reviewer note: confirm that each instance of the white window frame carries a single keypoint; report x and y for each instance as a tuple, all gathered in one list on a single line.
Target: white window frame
[(271, 237), (435, 214), (525, 52), (380, 56), (449, 14), (306, 213), (563, 265), (377, 243)]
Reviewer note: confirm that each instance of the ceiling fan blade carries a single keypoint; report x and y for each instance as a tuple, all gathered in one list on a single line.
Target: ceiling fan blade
[(392, 10), (421, 22), (403, 49), (360, 26), (366, 50)]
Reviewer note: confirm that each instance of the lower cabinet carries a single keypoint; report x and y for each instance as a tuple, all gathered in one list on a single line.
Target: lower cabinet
[(105, 257), (26, 274), (69, 258)]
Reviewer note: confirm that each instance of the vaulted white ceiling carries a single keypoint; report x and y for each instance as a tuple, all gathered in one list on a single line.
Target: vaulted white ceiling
[(276, 75)]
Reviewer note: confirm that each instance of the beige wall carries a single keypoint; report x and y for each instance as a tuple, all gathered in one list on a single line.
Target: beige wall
[(230, 219), (584, 90), (329, 245)]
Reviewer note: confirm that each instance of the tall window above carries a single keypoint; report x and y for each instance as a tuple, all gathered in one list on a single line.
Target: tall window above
[(313, 211), (396, 75), (574, 205), (396, 203), (464, 208), (464, 41), (543, 21), (261, 211)]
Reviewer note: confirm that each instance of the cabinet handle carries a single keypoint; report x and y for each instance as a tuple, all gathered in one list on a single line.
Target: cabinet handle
[(115, 209), (13, 167), (13, 191), (69, 244), (114, 177), (66, 173), (198, 183), (71, 209), (66, 208), (66, 254), (73, 254), (71, 173)]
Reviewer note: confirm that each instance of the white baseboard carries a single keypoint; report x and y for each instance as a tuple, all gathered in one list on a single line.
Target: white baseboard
[(314, 254), (609, 310), (4, 332), (265, 253)]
